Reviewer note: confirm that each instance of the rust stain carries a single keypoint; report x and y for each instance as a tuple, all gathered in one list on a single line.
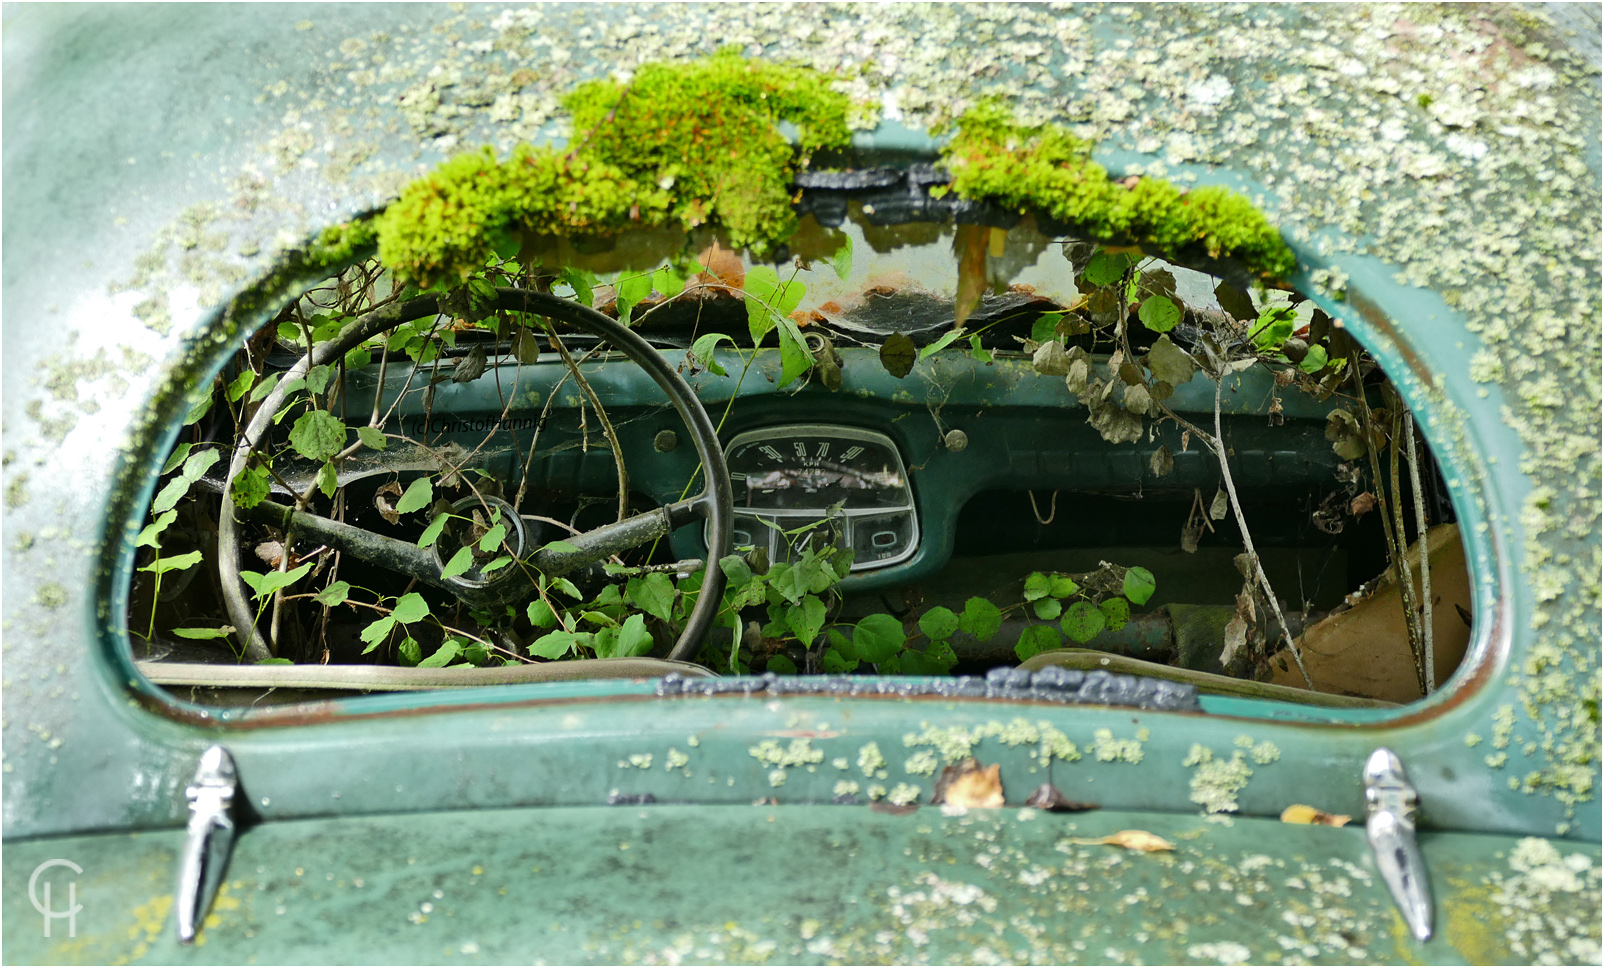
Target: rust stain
[(1385, 325)]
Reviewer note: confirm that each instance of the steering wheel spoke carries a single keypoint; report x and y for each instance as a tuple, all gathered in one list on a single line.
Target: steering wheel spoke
[(513, 582)]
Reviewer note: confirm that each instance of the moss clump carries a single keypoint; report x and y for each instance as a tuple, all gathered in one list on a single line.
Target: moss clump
[(682, 144), (1047, 169)]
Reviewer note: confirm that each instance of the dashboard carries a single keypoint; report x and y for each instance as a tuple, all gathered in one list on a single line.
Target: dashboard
[(822, 482), (875, 463)]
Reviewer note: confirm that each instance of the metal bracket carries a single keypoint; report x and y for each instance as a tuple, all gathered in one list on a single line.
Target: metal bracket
[(209, 841), (1390, 804)]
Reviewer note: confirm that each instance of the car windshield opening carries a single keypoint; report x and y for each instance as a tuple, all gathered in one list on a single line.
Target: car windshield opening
[(949, 447)]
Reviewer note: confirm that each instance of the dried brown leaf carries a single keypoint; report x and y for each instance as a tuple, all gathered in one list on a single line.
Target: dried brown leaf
[(271, 552), (968, 784), (1130, 839), (1303, 813), (1363, 504)]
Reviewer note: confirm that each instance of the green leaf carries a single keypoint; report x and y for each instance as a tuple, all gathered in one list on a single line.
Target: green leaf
[(632, 290), (419, 494), (1035, 639), (1105, 269), (582, 281), (410, 608), (1159, 314), (977, 352), (197, 464), (493, 538), (565, 586), (942, 343), (1273, 327), (372, 438), (449, 649), (938, 623), (250, 487), (1082, 621), (1061, 586), (459, 563), (1037, 585), (794, 354), (653, 593), (1045, 328), (633, 638), (668, 281), (495, 564), (262, 389), (221, 633), (541, 615), (1315, 361), (553, 645), (358, 359), (936, 660), (877, 638), (147, 537), (240, 385), (561, 546), (735, 569), (1139, 584), (702, 352), (170, 494), (1048, 609), (432, 532), (781, 665), (318, 377), (275, 580), (841, 261), (835, 663), (761, 282), (318, 435), (335, 594), (476, 654), (276, 660), (897, 355), (806, 619), (1116, 612), (410, 652), (980, 618), (177, 457), (198, 405), (376, 632), (328, 479)]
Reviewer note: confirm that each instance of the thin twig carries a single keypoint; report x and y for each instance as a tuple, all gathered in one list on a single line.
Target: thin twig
[(1425, 569), (1247, 539), (1406, 578)]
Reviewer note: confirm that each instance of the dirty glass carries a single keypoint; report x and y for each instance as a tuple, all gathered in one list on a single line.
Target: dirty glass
[(953, 446)]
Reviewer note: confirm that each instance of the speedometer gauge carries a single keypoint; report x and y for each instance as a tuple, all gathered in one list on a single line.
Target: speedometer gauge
[(808, 479)]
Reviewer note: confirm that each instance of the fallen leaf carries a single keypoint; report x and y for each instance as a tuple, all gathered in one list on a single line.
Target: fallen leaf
[(968, 784), (270, 552), (1220, 506), (1363, 504), (1133, 839), (1049, 797), (386, 509), (1302, 813)]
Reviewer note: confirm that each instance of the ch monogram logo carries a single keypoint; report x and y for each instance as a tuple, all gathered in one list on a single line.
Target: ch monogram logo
[(43, 906)]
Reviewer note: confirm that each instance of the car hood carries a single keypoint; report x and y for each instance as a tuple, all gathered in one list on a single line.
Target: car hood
[(671, 883)]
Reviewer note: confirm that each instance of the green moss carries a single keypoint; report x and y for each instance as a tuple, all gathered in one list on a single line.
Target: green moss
[(1046, 169), (681, 145)]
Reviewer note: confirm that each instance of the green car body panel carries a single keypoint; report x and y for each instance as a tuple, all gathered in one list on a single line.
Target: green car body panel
[(159, 159)]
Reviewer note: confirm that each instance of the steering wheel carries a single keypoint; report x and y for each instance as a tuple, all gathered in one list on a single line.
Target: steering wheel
[(715, 504)]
